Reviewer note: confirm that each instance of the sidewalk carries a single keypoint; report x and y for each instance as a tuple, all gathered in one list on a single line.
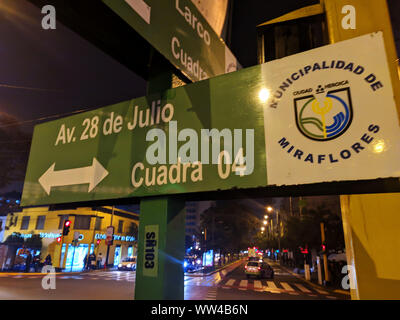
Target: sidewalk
[(310, 282), (226, 269)]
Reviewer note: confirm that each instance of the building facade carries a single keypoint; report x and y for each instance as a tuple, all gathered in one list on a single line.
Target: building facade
[(2, 227), (39, 230)]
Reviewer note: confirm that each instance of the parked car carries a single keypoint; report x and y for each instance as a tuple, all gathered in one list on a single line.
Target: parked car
[(259, 270), (127, 264)]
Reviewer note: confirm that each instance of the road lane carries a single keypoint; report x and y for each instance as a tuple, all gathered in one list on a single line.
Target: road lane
[(120, 285)]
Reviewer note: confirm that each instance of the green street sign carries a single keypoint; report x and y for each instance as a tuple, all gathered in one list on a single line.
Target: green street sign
[(177, 29), (307, 118), (188, 139)]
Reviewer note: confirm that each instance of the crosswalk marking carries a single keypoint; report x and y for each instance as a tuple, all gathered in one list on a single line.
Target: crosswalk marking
[(271, 285), (286, 286), (257, 284), (230, 282), (320, 291), (302, 288), (243, 283)]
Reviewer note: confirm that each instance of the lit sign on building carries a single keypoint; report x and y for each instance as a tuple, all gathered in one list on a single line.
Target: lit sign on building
[(116, 237), (41, 234)]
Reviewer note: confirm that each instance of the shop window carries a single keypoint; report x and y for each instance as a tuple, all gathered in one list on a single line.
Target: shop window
[(62, 219), (25, 222), (82, 222), (40, 222), (97, 225), (120, 226)]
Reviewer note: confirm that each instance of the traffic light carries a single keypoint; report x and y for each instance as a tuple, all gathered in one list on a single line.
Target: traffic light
[(59, 240), (323, 247), (67, 225), (98, 241)]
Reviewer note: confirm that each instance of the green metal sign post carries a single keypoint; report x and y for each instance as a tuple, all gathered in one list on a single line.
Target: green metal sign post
[(161, 248), (161, 243), (180, 33)]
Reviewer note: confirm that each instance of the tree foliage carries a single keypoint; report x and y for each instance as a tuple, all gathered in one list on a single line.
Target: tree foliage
[(230, 227), (306, 231)]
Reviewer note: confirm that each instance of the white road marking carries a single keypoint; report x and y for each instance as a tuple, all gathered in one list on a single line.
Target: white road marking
[(271, 287), (320, 291), (302, 288), (243, 284), (257, 284), (230, 282), (286, 286)]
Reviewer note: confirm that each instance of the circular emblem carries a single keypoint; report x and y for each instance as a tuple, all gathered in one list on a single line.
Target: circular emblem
[(324, 118)]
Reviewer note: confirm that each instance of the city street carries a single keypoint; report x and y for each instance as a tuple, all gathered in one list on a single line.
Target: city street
[(119, 285)]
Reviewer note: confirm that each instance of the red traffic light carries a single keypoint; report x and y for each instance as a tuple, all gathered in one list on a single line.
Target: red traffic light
[(323, 247), (59, 239), (98, 241), (67, 225)]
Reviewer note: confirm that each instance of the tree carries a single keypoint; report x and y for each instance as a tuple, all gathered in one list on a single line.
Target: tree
[(230, 227), (305, 230)]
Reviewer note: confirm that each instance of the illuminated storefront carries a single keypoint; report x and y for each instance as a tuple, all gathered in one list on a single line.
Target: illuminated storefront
[(40, 230)]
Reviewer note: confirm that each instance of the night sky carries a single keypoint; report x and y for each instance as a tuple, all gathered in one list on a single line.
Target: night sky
[(49, 72)]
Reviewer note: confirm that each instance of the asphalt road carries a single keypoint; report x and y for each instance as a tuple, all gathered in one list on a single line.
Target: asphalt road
[(120, 285), (236, 286)]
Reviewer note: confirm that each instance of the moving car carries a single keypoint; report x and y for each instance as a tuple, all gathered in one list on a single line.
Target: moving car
[(253, 259), (258, 269), (128, 264)]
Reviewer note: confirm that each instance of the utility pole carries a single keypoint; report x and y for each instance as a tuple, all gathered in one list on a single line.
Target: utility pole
[(108, 246), (279, 230), (326, 271)]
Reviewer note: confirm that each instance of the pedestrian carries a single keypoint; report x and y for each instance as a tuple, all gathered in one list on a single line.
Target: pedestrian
[(47, 261), (92, 261), (85, 262), (99, 261), (36, 262), (28, 262)]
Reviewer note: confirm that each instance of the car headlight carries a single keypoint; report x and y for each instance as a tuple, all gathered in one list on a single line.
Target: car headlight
[(120, 265), (129, 265)]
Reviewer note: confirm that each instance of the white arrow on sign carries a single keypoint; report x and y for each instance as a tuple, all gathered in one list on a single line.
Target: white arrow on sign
[(92, 175), (141, 8)]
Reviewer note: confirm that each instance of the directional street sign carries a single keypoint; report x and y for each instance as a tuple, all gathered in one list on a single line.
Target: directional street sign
[(319, 116), (177, 29), (91, 175)]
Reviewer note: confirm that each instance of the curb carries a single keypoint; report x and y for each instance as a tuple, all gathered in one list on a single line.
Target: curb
[(312, 283)]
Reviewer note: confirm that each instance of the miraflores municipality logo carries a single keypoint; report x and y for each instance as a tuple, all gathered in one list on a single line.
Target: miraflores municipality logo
[(323, 111), (324, 119)]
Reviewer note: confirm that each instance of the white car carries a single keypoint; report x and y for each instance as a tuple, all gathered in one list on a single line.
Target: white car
[(128, 264)]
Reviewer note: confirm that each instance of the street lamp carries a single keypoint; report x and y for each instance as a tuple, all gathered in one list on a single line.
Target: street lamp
[(265, 217), (262, 228), (265, 222), (269, 209)]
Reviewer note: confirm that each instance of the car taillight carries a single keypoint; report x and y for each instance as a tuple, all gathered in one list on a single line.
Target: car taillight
[(245, 267), (259, 268)]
